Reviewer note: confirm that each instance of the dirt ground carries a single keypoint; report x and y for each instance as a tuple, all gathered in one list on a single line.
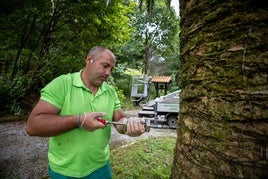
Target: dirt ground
[(25, 157)]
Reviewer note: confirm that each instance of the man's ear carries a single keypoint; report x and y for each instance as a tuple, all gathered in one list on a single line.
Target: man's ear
[(89, 59)]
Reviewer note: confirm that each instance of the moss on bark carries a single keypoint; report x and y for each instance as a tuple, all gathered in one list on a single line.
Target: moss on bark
[(223, 126)]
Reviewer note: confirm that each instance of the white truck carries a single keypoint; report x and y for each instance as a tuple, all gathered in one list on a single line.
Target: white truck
[(164, 109)]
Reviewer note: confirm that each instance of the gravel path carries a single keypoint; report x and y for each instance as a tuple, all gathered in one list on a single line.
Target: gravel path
[(25, 157)]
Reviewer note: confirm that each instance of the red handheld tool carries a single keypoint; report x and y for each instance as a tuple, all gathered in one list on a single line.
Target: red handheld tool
[(105, 122)]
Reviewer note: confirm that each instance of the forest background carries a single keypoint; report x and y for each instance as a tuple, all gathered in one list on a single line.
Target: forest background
[(44, 39)]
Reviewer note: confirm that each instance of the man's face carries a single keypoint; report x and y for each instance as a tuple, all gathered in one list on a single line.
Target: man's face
[(100, 68)]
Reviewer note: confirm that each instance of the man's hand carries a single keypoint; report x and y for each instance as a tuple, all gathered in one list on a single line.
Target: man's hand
[(134, 126), (89, 121)]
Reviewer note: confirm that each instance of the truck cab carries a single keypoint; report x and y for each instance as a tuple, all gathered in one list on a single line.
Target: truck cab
[(164, 109)]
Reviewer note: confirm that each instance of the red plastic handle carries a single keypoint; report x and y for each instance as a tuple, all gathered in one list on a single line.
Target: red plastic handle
[(101, 120)]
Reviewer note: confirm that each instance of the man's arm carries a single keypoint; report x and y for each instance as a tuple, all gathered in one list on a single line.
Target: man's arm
[(44, 121), (119, 116)]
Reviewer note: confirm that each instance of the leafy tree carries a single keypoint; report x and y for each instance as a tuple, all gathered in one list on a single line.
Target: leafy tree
[(157, 34), (43, 39), (153, 36)]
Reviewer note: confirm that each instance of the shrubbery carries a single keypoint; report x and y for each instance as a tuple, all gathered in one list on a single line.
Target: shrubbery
[(11, 93)]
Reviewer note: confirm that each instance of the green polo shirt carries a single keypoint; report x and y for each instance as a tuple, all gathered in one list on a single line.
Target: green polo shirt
[(78, 153)]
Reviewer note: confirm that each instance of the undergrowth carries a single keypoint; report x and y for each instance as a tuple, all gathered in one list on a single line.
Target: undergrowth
[(151, 158)]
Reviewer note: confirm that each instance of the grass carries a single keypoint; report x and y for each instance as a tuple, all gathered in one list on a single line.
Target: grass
[(151, 158)]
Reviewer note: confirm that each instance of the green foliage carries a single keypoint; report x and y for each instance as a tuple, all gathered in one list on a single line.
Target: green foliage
[(11, 92), (152, 37), (124, 83), (120, 93), (40, 41), (150, 158)]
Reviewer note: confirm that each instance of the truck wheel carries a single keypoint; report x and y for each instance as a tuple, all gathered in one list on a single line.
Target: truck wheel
[(172, 121), (135, 103)]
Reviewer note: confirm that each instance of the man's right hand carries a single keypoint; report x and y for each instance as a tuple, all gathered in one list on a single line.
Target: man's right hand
[(89, 121)]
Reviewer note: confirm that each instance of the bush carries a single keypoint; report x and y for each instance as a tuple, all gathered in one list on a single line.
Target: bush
[(11, 93)]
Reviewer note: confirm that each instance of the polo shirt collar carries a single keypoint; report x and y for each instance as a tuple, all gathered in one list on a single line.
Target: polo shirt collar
[(78, 82)]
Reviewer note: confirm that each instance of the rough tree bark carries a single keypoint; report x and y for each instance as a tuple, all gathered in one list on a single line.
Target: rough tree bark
[(223, 119)]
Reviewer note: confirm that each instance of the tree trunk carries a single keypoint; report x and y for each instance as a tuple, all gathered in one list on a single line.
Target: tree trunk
[(223, 119)]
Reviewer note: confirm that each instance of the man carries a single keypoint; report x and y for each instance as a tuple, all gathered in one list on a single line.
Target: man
[(67, 112)]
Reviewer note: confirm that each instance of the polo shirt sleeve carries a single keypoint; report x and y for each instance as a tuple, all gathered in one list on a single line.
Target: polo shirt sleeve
[(117, 104), (54, 92)]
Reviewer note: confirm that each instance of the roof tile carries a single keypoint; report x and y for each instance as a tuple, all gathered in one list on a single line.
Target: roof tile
[(161, 79)]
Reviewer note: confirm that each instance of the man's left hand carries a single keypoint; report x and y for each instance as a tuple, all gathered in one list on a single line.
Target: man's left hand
[(134, 126)]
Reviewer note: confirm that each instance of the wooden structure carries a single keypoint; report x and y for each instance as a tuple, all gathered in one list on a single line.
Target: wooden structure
[(161, 83)]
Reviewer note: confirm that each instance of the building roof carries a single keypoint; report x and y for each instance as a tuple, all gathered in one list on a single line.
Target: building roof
[(161, 79)]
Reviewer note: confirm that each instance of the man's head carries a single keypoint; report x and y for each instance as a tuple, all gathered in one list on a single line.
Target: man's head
[(99, 64)]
